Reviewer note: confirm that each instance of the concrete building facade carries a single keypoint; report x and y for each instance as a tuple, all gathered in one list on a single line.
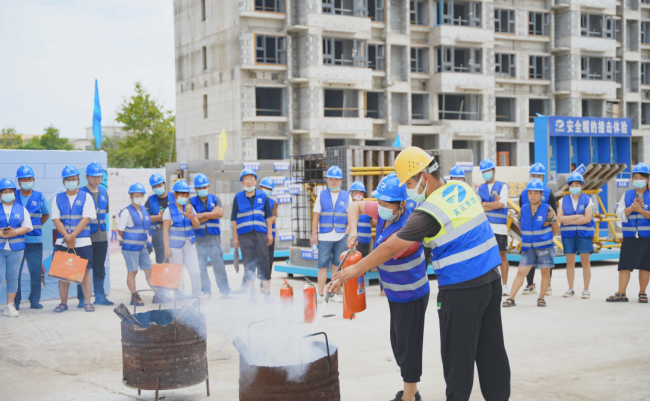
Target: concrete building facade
[(287, 77)]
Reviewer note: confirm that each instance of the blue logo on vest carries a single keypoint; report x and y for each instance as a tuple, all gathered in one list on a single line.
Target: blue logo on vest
[(259, 200), (449, 194), (539, 218)]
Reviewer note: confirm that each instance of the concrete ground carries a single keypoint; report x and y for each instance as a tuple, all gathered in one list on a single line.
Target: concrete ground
[(574, 349)]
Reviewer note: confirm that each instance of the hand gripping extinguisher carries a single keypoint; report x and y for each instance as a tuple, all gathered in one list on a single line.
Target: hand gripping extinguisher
[(286, 294), (354, 290), (309, 294)]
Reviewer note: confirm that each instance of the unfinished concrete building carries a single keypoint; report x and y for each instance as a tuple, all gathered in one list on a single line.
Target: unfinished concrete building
[(286, 77)]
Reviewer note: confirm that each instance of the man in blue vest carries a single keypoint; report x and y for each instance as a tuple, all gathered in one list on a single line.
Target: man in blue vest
[(209, 210), (156, 205), (494, 198), (252, 231), (267, 185), (465, 255), (98, 233), (329, 227), (36, 205)]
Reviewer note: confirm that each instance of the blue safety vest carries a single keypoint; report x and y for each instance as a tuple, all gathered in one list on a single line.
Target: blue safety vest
[(33, 206), (333, 217), (364, 229), (155, 209), (71, 218), (636, 222), (135, 238), (271, 204), (533, 232), (248, 218), (100, 209), (181, 228), (16, 243), (403, 279), (584, 230), (546, 196), (211, 226), (496, 216)]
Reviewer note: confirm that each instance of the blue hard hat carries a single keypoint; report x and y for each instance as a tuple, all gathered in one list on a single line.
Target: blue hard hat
[(267, 182), (457, 172), (334, 172), (641, 168), (69, 171), (575, 177), (358, 186), (389, 189), (537, 169), (156, 179), (535, 185), (181, 186), (6, 183), (24, 172), (201, 180), (95, 169), (247, 171), (137, 188), (486, 164)]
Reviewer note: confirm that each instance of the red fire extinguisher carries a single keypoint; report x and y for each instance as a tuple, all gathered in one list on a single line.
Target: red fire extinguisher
[(309, 294), (286, 294), (354, 299)]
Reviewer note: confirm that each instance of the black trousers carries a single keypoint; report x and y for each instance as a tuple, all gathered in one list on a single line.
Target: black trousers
[(271, 254), (364, 249), (471, 332), (99, 271), (158, 245), (530, 278), (407, 336)]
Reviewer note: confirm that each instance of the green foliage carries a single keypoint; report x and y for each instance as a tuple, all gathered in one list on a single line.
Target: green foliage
[(50, 140), (9, 138)]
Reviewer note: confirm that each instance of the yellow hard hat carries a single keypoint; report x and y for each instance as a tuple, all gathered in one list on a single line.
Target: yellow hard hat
[(412, 161)]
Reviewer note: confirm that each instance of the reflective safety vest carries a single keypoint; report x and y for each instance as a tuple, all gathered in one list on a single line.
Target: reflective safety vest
[(333, 216), (211, 226), (364, 229), (16, 243), (70, 218), (33, 206), (403, 279), (251, 218), (100, 209), (583, 230), (546, 196), (465, 246), (155, 209), (496, 216), (636, 222), (181, 228), (271, 204), (135, 238), (533, 232)]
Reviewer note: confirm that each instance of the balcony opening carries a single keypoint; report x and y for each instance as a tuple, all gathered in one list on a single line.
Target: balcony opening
[(345, 52), (419, 106), (459, 107), (206, 151), (461, 13), (271, 6), (645, 113), (356, 8), (612, 110), (375, 143), (270, 49), (376, 57), (539, 67), (455, 59), (341, 103), (204, 54), (427, 141), (537, 106), (376, 10), (268, 102), (419, 12), (504, 20), (598, 26), (205, 106), (202, 10), (592, 108), (645, 32), (632, 76), (633, 113), (332, 143), (645, 73), (631, 34), (420, 59), (374, 100), (506, 109), (269, 149), (598, 68), (505, 65), (539, 23)]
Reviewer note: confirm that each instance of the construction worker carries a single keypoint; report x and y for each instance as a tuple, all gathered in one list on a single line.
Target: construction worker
[(329, 227), (634, 212), (98, 233), (72, 212), (407, 308), (267, 185), (494, 198), (156, 205), (575, 214), (457, 173), (209, 209), (538, 171), (15, 222), (252, 230), (538, 227), (36, 205), (364, 224), (465, 258)]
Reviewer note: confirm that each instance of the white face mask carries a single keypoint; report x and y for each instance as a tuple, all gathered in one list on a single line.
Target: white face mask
[(413, 193), (138, 201)]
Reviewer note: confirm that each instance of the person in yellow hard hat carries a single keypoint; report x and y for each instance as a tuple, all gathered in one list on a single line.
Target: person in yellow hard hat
[(465, 255)]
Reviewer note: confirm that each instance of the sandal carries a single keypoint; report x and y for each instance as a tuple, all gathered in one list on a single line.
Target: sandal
[(509, 303), (89, 308), (541, 302), (61, 308), (619, 298), (643, 298)]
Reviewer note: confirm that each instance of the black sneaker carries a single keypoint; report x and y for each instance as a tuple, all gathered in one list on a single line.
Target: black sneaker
[(398, 396)]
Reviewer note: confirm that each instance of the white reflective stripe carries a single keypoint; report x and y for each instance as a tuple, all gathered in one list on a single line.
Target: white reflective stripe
[(340, 214), (538, 244), (364, 225), (406, 287), (526, 244), (540, 232), (35, 215), (134, 230), (250, 223), (133, 242), (634, 229), (465, 255), (16, 240), (497, 215), (176, 228), (213, 225), (341, 225), (442, 216), (327, 225), (637, 217), (581, 228), (102, 211), (364, 235), (240, 215), (37, 227), (403, 267), (454, 233), (327, 213), (175, 238), (568, 228)]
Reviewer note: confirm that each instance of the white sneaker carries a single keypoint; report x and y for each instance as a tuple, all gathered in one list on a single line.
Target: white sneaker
[(585, 294), (320, 299), (529, 290), (549, 291), (10, 310), (569, 293), (336, 298), (505, 290)]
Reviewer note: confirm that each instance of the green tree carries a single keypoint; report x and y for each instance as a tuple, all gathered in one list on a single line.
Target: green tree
[(50, 140), (10, 139)]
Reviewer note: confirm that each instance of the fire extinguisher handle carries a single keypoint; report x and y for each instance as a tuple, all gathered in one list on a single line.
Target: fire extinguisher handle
[(350, 252)]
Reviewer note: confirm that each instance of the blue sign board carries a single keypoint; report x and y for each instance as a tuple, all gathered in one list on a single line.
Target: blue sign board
[(278, 180), (252, 165), (279, 191), (281, 166), (581, 169), (589, 126), (294, 189), (183, 166), (284, 199), (622, 183), (286, 237), (466, 166), (309, 255)]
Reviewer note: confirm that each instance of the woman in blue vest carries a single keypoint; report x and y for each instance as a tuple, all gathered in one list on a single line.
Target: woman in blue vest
[(634, 212), (408, 269), (179, 223), (267, 185), (538, 227), (14, 224), (575, 214), (156, 205)]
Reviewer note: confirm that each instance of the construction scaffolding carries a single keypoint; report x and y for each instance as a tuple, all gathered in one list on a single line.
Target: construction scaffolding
[(307, 173)]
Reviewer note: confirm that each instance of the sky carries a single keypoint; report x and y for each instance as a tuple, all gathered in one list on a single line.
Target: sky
[(51, 52)]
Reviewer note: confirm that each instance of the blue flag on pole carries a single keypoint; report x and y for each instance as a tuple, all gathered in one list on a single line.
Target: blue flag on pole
[(398, 142), (97, 119)]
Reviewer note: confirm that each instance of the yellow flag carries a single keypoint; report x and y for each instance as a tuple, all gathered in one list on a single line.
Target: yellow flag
[(223, 144)]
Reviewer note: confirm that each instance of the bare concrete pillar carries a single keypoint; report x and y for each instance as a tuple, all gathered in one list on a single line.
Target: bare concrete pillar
[(523, 154), (489, 149)]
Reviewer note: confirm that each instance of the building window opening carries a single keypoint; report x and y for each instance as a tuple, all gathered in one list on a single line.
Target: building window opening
[(454, 59), (420, 60), (376, 57), (345, 52), (537, 106), (268, 102), (373, 104), (461, 13), (376, 10), (505, 65), (506, 109), (419, 12), (270, 149), (459, 107), (539, 23), (271, 6), (341, 103), (419, 106), (271, 49)]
